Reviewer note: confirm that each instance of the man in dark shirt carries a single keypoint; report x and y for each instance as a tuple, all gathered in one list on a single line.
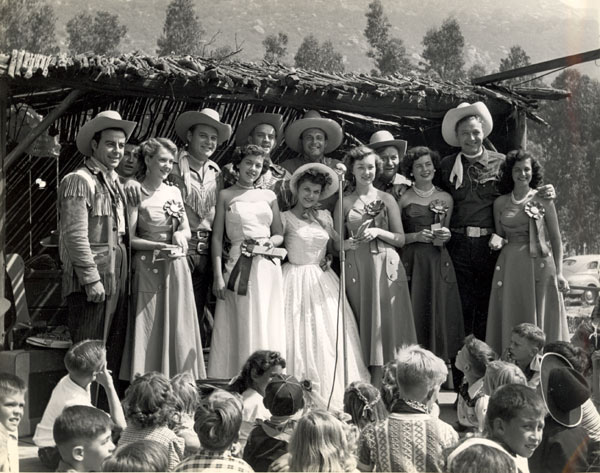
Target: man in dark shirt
[(471, 177)]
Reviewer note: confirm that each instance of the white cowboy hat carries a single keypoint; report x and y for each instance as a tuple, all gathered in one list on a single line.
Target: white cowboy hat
[(328, 190), (383, 139), (206, 116), (251, 122), (102, 121), (454, 115), (313, 119)]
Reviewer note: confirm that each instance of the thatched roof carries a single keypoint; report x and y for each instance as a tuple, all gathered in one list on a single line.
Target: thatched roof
[(153, 91)]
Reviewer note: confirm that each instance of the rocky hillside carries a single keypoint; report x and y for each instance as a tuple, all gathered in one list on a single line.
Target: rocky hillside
[(544, 28)]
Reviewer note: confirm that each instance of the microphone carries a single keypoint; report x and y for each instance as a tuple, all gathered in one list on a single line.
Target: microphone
[(339, 167)]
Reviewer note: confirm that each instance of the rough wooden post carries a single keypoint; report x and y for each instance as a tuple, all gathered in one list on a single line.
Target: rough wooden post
[(4, 303)]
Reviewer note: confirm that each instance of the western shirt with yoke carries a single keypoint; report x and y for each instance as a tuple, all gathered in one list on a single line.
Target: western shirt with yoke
[(474, 197), (199, 189), (92, 223)]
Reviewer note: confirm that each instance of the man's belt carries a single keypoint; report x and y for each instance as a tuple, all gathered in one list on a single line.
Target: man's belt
[(473, 232), (202, 239)]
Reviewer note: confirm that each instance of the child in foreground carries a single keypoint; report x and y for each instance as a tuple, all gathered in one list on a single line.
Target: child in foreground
[(12, 405), (515, 420), (149, 405), (411, 383), (218, 421), (85, 362), (83, 437), (525, 351), (364, 404), (284, 397), (187, 398), (472, 360), (143, 455)]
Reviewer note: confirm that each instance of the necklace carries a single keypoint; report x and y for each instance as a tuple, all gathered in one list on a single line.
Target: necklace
[(424, 194), (244, 186), (518, 202)]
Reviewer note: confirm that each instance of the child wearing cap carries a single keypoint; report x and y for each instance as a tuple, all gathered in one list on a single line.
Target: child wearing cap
[(564, 444), (284, 397)]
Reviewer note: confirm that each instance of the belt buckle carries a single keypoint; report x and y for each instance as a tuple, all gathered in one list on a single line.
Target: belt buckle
[(202, 247), (473, 232)]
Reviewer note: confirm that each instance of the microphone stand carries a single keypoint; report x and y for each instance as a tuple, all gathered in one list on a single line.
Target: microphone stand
[(342, 254)]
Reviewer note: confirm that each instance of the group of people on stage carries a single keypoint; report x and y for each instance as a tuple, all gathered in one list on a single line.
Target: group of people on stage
[(421, 239)]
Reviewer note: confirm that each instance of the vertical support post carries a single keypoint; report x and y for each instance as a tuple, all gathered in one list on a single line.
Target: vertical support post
[(4, 304)]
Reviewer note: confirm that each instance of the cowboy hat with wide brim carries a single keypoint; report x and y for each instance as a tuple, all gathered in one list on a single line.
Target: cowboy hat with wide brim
[(206, 116), (312, 119), (563, 389), (454, 115), (251, 122), (383, 139), (328, 190), (102, 121)]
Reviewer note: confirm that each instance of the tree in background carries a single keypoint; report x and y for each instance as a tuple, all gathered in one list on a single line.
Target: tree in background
[(517, 57), (27, 24), (182, 31), (388, 53), (275, 47), (476, 70), (312, 55), (568, 148), (443, 50), (101, 33)]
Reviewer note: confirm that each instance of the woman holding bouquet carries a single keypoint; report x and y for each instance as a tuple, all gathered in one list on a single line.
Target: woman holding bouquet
[(249, 287), (528, 279), (426, 212), (376, 282), (163, 334)]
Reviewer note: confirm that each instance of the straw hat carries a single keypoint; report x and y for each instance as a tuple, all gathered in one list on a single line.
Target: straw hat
[(564, 389), (206, 116), (313, 119), (102, 121), (454, 115), (328, 190), (383, 139), (251, 122)]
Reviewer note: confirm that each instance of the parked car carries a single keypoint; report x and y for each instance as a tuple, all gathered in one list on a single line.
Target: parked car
[(583, 270)]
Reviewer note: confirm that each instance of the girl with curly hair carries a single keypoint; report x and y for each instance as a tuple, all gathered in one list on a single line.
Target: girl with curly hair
[(248, 286), (311, 291), (149, 404), (376, 282), (163, 333), (528, 279), (251, 383)]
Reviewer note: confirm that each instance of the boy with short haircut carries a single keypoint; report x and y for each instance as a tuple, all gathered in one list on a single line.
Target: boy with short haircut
[(472, 360), (86, 362), (515, 419), (83, 436), (12, 404), (526, 344)]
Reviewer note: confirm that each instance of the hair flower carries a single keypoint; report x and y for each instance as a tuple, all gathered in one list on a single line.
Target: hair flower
[(306, 385), (174, 209), (535, 210)]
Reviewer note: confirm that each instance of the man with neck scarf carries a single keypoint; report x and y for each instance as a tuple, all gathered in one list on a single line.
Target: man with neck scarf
[(471, 176), (197, 177)]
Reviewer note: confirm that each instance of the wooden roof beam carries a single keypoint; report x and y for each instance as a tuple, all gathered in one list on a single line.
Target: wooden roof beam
[(565, 61), (42, 126)]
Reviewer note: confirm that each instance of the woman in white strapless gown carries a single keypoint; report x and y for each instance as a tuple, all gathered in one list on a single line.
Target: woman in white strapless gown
[(247, 319), (311, 293)]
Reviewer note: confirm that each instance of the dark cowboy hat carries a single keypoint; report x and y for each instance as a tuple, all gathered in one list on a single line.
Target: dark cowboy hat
[(564, 389)]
